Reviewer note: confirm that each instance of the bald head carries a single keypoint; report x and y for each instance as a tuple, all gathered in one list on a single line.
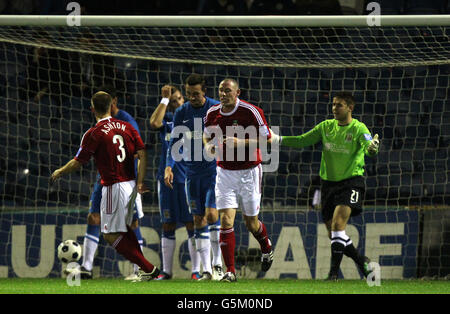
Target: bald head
[(231, 81), (101, 102)]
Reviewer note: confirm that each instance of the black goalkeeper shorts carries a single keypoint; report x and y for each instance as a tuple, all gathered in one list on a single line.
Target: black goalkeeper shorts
[(348, 192)]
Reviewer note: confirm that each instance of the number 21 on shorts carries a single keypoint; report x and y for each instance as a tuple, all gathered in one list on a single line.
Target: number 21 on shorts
[(354, 197)]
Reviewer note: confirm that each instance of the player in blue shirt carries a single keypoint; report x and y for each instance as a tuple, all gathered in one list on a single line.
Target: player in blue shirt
[(173, 203), (200, 173), (92, 236)]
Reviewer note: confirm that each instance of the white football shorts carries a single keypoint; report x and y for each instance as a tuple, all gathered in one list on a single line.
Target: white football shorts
[(117, 206), (234, 186)]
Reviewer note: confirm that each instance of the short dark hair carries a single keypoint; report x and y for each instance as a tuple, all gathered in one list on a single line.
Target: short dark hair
[(108, 88), (195, 79), (347, 97), (101, 102)]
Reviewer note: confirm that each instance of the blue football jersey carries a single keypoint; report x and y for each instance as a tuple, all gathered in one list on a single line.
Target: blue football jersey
[(190, 122), (125, 116), (178, 168)]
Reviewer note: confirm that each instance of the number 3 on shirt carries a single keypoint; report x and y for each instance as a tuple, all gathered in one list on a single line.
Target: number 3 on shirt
[(123, 155)]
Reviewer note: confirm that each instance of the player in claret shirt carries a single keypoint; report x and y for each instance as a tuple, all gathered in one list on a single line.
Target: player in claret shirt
[(92, 236), (345, 142), (236, 128), (113, 144)]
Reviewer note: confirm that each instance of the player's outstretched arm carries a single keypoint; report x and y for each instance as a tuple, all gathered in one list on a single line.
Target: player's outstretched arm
[(306, 139), (71, 166), (156, 120)]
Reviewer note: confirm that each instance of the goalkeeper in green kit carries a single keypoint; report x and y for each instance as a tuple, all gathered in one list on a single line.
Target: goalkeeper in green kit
[(345, 141)]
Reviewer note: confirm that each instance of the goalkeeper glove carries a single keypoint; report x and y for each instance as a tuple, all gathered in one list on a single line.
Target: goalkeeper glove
[(374, 144)]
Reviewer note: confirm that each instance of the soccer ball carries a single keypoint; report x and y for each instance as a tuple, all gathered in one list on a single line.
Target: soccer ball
[(69, 251)]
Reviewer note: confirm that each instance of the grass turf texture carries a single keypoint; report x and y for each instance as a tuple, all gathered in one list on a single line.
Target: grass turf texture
[(285, 286)]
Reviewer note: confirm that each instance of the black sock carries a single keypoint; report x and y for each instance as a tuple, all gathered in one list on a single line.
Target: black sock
[(350, 251), (337, 252)]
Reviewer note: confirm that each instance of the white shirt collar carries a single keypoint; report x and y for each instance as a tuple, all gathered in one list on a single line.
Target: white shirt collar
[(232, 111), (107, 118)]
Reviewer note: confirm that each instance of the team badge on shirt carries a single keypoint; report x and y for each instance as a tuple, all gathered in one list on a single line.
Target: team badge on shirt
[(349, 137)]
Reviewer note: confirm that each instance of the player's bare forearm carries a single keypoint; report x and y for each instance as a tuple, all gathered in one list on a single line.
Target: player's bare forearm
[(71, 166), (158, 115), (237, 142), (142, 166), (142, 170)]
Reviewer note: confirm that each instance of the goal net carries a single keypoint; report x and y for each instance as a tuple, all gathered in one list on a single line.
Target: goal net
[(290, 68)]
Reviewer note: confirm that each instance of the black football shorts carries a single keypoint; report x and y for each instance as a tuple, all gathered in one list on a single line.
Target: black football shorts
[(348, 192)]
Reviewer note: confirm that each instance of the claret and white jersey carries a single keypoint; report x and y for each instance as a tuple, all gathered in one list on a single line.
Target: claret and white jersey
[(239, 180), (113, 144), (244, 116)]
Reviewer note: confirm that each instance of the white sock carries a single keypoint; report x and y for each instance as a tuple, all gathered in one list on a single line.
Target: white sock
[(89, 248), (204, 249), (168, 248), (194, 255), (214, 235)]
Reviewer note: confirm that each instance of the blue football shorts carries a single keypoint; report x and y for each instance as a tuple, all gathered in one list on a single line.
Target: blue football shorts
[(173, 205), (200, 194)]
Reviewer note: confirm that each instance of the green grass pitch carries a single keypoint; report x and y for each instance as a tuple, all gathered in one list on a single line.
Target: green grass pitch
[(244, 286)]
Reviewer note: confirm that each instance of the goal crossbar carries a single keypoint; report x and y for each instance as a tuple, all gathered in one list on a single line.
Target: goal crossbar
[(226, 21)]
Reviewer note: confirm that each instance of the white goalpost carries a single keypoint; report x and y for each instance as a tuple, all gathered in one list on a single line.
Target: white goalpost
[(290, 66)]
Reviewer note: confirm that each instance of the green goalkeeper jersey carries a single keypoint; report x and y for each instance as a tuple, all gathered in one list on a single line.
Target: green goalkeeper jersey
[(343, 149)]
